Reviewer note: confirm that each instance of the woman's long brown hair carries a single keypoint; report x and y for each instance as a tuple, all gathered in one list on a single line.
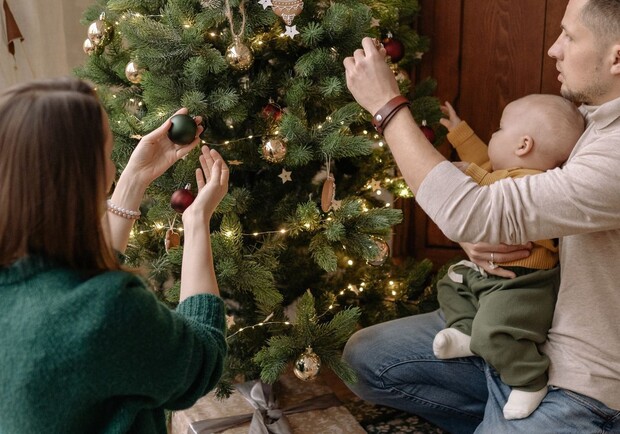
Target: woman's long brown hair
[(52, 175)]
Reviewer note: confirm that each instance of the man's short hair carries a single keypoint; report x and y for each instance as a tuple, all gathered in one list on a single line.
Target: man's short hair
[(603, 18)]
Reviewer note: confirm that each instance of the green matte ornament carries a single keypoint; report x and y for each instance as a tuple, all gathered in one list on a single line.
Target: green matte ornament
[(183, 129)]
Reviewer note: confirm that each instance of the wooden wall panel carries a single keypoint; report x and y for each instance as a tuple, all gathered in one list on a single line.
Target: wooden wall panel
[(502, 52), (417, 235), (555, 12)]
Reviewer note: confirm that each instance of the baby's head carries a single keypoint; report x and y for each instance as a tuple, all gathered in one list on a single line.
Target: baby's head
[(536, 132)]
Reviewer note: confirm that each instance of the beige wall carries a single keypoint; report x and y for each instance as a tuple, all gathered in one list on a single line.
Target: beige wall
[(53, 38)]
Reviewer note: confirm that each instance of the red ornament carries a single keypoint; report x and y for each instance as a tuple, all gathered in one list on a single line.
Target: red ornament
[(181, 199), (428, 132), (394, 48), (273, 111)]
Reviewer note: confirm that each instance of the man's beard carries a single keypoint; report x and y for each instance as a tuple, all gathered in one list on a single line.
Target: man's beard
[(586, 95)]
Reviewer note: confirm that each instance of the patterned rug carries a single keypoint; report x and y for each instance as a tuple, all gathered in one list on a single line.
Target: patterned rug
[(384, 420)]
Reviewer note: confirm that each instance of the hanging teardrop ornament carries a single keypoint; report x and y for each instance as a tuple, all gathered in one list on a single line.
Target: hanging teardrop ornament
[(328, 194)]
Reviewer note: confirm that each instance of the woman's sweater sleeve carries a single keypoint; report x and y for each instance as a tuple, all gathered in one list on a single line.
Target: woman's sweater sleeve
[(166, 358)]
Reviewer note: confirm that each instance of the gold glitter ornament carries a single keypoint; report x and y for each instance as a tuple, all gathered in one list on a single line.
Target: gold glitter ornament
[(101, 32), (239, 56), (133, 72), (90, 48), (274, 149), (384, 253), (307, 365)]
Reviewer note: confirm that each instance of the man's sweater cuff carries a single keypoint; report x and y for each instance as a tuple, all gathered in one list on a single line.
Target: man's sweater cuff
[(442, 183)]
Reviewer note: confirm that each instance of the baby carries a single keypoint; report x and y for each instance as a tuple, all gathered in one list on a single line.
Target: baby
[(503, 320)]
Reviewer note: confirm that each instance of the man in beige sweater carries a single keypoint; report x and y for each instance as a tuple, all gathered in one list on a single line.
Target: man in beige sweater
[(578, 203)]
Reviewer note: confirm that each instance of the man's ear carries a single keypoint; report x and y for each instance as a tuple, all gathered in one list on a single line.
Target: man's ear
[(615, 66), (526, 144)]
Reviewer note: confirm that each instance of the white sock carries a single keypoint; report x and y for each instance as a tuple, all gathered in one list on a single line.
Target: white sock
[(451, 343), (521, 404)]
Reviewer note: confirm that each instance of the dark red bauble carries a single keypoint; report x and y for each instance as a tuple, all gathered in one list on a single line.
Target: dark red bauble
[(428, 132), (394, 48), (183, 129), (181, 199), (271, 110)]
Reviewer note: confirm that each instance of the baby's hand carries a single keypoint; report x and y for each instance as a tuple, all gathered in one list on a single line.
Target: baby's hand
[(453, 119)]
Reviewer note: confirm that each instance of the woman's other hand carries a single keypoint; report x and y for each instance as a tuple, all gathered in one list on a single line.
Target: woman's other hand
[(212, 181)]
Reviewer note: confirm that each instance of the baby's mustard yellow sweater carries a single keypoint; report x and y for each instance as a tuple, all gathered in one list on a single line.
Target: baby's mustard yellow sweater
[(474, 151)]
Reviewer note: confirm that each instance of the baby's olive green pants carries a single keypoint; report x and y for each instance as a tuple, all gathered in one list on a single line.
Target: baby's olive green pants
[(506, 318)]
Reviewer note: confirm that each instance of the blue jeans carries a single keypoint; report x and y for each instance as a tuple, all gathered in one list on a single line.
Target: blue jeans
[(396, 367)]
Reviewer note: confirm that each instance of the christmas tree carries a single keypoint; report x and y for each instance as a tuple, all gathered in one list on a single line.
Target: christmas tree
[(301, 242)]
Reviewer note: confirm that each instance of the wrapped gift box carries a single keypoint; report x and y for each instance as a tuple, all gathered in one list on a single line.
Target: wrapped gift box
[(290, 392)]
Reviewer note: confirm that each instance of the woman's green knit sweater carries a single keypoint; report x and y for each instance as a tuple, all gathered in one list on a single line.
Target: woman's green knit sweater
[(100, 354)]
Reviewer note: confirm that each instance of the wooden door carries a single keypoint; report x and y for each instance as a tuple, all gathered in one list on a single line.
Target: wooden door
[(484, 54)]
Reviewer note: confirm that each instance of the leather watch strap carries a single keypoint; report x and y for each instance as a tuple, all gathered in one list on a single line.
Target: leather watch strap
[(385, 113)]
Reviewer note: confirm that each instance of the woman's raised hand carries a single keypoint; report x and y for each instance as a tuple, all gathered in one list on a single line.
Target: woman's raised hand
[(155, 152)]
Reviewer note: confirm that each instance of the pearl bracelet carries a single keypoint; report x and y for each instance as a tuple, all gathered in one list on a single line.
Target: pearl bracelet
[(122, 212)]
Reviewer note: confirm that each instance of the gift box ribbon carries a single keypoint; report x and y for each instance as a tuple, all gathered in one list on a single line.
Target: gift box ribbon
[(267, 418)]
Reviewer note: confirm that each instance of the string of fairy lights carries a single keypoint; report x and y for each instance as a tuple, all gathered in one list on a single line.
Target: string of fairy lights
[(392, 287), (267, 322)]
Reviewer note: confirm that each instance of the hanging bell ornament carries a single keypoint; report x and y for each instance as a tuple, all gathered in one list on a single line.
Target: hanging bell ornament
[(90, 48), (287, 9), (328, 193), (274, 149), (101, 32), (239, 56), (133, 72), (382, 255), (307, 366)]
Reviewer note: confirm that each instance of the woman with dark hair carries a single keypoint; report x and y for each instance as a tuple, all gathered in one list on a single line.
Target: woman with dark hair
[(86, 347)]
